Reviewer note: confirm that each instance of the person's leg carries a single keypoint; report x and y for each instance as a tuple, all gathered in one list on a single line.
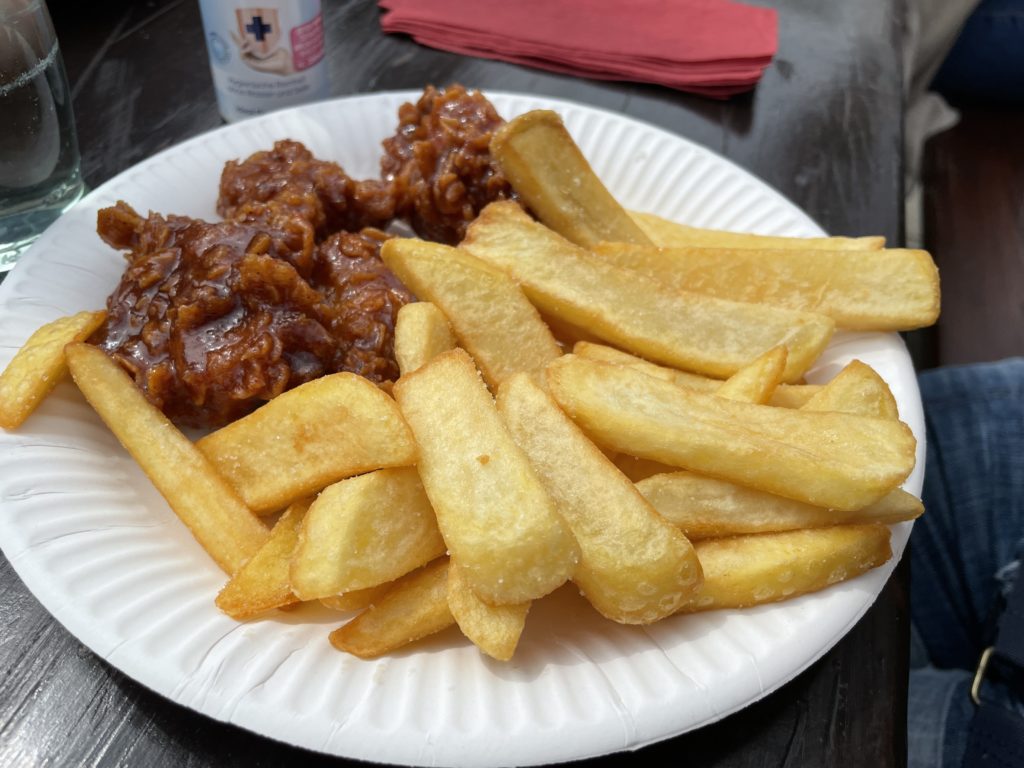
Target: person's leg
[(974, 506), (939, 711), (964, 547)]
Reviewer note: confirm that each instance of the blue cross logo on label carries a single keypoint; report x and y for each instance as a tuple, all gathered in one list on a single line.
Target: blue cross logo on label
[(258, 29)]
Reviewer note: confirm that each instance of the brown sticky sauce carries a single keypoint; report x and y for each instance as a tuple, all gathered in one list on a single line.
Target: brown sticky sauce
[(213, 319)]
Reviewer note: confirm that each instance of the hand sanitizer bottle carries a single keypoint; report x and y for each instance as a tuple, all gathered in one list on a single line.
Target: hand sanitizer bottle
[(265, 57)]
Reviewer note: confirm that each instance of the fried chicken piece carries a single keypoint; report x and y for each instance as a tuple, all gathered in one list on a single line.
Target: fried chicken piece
[(440, 164), (288, 179), (361, 301), (211, 320)]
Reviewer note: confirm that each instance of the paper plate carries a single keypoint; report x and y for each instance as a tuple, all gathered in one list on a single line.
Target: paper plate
[(104, 554)]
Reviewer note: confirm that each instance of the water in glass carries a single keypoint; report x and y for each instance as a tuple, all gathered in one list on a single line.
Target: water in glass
[(40, 176)]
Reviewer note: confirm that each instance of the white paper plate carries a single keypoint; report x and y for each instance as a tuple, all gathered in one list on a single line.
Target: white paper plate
[(101, 550)]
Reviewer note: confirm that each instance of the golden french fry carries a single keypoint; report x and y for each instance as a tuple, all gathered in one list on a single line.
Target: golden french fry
[(635, 568), (741, 571), (888, 290), (262, 583), (756, 383), (316, 434), (357, 599), (415, 607), (705, 508), (494, 629), (491, 317), (551, 175), (365, 531), (785, 395), (827, 459), (204, 501), (421, 334), (856, 389), (748, 384), (606, 354), (669, 234), (493, 512), (688, 330), (39, 365)]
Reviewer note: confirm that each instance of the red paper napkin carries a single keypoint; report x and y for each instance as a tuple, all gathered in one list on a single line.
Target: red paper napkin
[(712, 47)]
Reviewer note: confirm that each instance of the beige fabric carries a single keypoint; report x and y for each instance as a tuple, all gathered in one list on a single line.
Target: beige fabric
[(930, 30)]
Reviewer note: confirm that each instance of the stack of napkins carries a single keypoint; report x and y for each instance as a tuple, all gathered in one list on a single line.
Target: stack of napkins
[(712, 47)]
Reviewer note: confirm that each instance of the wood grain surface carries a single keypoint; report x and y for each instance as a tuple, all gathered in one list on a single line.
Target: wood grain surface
[(823, 127), (976, 173)]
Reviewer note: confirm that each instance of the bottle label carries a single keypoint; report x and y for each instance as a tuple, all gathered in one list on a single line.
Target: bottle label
[(308, 43), (265, 57)]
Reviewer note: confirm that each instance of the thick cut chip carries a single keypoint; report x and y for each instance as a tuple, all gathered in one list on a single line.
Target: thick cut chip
[(551, 175), (706, 508), (421, 334), (415, 607), (494, 629), (749, 384), (39, 365), (606, 354), (493, 512), (756, 383), (491, 317), (827, 459), (635, 567), (687, 330), (197, 493), (742, 571), (316, 434), (856, 389), (365, 531), (888, 290), (262, 583), (785, 395), (357, 599), (669, 234)]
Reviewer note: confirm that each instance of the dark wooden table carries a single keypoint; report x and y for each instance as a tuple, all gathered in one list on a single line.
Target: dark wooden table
[(824, 127)]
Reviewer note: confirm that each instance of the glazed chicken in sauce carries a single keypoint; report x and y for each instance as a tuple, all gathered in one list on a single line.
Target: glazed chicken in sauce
[(440, 162), (213, 319), (289, 178)]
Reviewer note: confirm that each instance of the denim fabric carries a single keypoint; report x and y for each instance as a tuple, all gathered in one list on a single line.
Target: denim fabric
[(965, 548), (939, 710), (987, 61)]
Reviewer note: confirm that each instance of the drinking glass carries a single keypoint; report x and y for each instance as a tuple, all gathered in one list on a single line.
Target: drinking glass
[(40, 176)]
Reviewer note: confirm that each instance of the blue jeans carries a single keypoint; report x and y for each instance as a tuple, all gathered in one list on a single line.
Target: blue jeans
[(966, 549), (987, 61)]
